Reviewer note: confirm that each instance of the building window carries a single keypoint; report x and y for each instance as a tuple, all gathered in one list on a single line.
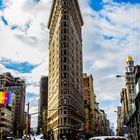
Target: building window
[(65, 38), (65, 52), (65, 30), (59, 111), (2, 114), (65, 3), (64, 59), (65, 67), (65, 83), (65, 121), (65, 91), (65, 17), (64, 45), (65, 75), (64, 24), (65, 110), (64, 11), (65, 101)]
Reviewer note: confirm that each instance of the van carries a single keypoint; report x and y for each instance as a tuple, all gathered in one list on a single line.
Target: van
[(108, 138)]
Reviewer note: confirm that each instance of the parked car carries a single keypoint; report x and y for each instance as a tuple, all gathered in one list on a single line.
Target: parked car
[(9, 138), (108, 138), (26, 137), (39, 137)]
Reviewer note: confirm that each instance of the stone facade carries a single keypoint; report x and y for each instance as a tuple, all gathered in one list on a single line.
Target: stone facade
[(65, 70), (130, 122), (89, 104), (15, 85), (43, 104), (96, 123), (130, 81)]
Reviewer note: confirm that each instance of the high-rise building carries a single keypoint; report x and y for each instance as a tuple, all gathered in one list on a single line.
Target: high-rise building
[(89, 105), (130, 81), (133, 122), (127, 97), (105, 126), (6, 120), (119, 121), (96, 123), (124, 105), (65, 101), (27, 123), (16, 86), (137, 102), (129, 104), (43, 102)]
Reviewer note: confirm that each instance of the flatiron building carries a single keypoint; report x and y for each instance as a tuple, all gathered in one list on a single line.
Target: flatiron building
[(65, 91)]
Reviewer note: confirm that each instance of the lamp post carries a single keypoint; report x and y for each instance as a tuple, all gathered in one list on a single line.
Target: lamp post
[(118, 76), (28, 117), (50, 129)]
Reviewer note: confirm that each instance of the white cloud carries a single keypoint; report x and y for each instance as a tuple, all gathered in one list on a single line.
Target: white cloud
[(32, 89), (111, 113), (105, 58), (17, 44), (19, 49), (108, 56)]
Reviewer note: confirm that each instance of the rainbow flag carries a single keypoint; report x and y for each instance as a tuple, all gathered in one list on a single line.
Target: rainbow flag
[(2, 97), (10, 98), (5, 98)]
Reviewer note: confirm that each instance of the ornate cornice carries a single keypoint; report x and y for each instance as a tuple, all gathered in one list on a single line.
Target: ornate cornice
[(52, 11), (80, 15)]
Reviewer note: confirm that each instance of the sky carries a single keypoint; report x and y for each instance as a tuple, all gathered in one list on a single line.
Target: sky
[(110, 33)]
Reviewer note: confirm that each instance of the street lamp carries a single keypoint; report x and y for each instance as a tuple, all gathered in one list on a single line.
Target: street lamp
[(28, 120), (129, 76), (118, 76)]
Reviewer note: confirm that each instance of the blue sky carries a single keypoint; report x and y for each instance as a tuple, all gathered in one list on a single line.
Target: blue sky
[(98, 5), (20, 67), (111, 32), (1, 4)]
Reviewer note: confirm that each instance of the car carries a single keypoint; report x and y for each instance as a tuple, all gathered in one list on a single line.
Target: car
[(9, 138), (39, 137), (25, 137), (108, 138)]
